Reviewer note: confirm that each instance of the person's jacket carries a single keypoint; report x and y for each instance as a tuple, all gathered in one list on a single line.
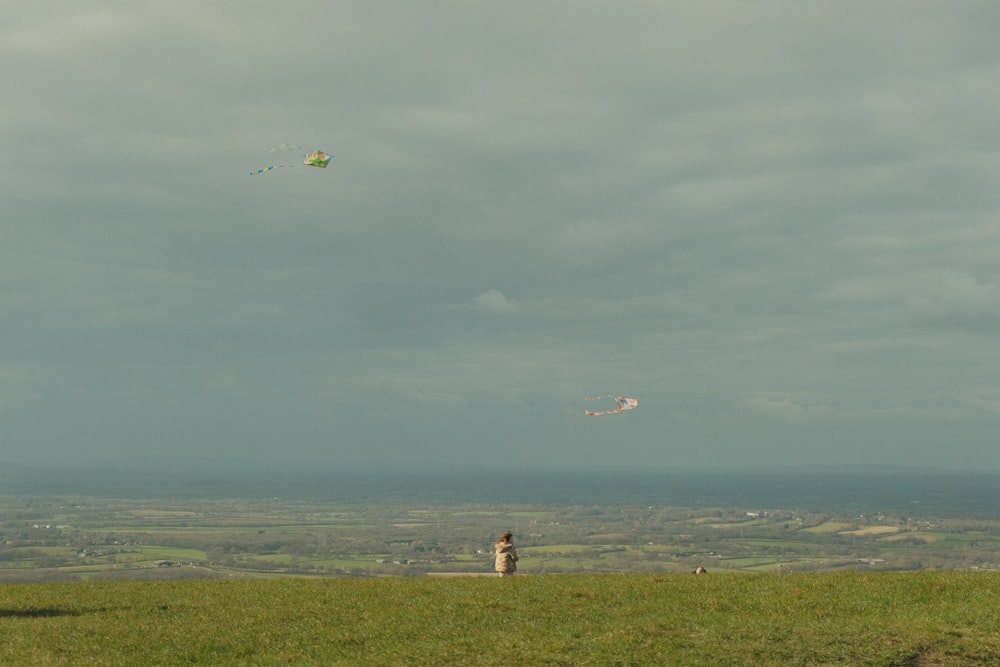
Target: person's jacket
[(506, 557)]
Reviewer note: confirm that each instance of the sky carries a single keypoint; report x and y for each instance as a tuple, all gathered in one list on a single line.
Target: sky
[(775, 223)]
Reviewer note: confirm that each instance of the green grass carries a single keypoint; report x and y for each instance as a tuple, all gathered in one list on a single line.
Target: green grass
[(851, 618)]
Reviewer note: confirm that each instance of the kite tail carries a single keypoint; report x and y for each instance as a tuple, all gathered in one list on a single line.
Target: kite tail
[(271, 168), (591, 413)]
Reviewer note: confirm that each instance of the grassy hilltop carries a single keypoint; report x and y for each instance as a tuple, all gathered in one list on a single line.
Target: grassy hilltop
[(846, 618)]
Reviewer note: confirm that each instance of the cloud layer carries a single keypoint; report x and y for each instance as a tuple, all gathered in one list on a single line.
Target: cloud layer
[(775, 223)]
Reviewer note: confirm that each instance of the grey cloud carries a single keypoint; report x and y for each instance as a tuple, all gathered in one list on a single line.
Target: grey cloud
[(772, 223)]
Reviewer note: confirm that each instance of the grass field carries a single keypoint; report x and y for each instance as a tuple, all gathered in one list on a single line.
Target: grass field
[(919, 619)]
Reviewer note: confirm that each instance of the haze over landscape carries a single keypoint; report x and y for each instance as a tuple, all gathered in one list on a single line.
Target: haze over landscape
[(776, 224)]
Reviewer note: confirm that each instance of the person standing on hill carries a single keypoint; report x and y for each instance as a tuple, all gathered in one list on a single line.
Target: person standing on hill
[(506, 561)]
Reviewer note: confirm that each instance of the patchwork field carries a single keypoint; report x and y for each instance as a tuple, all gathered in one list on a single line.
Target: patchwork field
[(81, 538)]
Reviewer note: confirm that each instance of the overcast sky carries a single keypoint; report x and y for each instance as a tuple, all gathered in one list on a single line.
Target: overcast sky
[(774, 223)]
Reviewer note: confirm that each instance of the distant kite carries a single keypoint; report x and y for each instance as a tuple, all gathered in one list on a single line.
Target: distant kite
[(317, 158), (622, 404)]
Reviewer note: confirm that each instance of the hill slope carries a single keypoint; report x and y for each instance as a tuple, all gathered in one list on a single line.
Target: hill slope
[(915, 618)]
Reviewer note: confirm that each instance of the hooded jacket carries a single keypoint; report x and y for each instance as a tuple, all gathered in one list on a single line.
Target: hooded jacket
[(506, 557)]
